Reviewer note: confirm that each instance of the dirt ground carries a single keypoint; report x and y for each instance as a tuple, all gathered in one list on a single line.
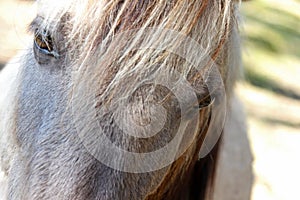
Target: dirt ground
[(270, 91)]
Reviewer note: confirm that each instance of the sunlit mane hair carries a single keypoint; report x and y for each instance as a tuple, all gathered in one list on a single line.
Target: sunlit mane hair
[(93, 27)]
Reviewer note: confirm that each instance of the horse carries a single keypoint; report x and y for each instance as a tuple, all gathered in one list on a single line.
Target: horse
[(125, 99)]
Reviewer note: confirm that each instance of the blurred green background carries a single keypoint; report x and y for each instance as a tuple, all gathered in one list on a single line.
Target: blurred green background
[(271, 94), (270, 90)]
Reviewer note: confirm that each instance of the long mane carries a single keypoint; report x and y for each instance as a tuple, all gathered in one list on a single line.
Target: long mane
[(90, 27)]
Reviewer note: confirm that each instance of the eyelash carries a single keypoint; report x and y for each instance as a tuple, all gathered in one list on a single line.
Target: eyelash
[(44, 43)]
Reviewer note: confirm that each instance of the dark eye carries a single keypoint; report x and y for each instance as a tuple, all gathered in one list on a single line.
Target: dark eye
[(44, 43)]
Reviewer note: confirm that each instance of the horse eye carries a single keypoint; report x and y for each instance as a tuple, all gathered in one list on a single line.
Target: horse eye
[(43, 42)]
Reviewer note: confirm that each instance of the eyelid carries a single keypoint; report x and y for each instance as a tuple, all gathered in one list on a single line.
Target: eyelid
[(35, 24), (49, 53)]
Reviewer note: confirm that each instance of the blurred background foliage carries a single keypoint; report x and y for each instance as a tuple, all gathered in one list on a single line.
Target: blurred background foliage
[(270, 90), (272, 39), (271, 94)]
